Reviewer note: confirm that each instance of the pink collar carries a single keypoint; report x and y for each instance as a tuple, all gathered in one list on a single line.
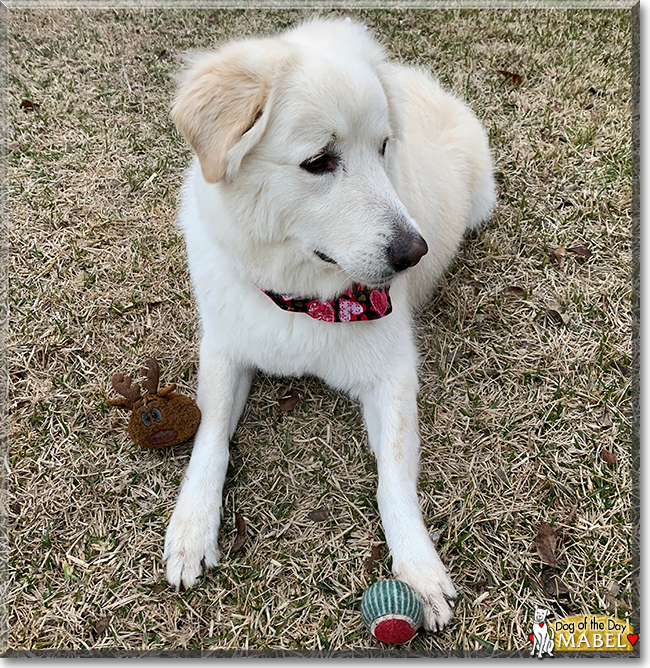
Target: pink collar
[(358, 302)]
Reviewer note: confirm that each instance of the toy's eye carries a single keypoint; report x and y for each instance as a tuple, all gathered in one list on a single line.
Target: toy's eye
[(156, 414), (382, 150), (146, 419)]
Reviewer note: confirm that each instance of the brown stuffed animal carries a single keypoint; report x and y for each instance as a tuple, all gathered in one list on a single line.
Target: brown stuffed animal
[(159, 418)]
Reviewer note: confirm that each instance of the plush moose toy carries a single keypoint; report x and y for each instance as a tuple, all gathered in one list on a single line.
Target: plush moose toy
[(159, 418)]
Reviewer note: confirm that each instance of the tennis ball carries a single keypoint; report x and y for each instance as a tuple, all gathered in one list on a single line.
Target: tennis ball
[(391, 611)]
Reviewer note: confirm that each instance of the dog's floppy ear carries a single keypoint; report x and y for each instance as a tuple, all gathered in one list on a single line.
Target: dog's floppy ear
[(221, 96)]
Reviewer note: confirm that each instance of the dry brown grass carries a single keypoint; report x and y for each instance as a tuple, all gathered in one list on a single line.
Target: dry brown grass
[(512, 403)]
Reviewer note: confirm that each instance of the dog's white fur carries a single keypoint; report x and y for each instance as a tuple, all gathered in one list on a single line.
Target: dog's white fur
[(253, 112)]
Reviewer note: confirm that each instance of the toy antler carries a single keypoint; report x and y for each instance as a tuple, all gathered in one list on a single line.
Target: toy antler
[(122, 385), (152, 371)]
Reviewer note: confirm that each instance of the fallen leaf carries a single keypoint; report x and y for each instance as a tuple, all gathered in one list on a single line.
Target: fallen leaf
[(615, 603), (605, 420), (240, 539), (28, 105), (162, 54), (158, 587), (102, 624), (621, 368), (492, 373), (623, 606), (289, 399), (515, 78), (573, 512), (452, 357), (546, 542), (553, 586), (375, 553), (608, 457), (212, 18), (614, 589), (581, 251), (557, 256), (319, 515), (500, 473), (554, 310), (515, 291)]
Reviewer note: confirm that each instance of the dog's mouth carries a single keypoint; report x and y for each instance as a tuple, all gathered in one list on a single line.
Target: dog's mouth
[(378, 281), (324, 257)]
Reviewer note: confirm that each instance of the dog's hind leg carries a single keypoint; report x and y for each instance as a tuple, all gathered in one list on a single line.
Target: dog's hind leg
[(390, 411), (191, 540)]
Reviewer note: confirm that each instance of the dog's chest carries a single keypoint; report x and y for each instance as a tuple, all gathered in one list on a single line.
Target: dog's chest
[(251, 328), (240, 319)]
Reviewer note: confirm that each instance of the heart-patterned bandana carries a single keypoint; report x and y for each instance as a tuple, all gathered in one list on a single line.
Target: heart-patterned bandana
[(358, 302)]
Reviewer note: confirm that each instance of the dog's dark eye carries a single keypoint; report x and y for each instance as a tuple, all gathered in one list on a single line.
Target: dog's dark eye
[(382, 150), (325, 162)]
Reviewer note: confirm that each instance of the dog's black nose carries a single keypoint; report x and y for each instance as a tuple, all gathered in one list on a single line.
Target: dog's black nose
[(406, 251)]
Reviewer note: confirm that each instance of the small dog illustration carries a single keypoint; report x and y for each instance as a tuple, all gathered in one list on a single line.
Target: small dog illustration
[(543, 641)]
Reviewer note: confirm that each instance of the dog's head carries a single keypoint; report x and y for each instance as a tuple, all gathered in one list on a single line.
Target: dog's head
[(541, 614), (299, 134)]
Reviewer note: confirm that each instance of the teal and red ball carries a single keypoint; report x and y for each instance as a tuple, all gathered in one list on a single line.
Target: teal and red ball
[(391, 611)]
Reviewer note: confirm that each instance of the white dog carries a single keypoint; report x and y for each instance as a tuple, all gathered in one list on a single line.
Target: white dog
[(543, 637), (320, 166)]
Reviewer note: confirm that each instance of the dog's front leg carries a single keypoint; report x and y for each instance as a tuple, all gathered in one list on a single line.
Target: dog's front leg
[(191, 541), (390, 412)]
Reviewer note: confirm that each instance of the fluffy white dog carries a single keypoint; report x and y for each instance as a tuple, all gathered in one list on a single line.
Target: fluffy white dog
[(323, 174)]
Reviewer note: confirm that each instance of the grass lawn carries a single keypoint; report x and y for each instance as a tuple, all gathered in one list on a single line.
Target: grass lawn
[(525, 365)]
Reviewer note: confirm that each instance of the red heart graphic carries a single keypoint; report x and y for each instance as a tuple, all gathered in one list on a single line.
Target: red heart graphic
[(632, 637), (541, 624), (379, 302), (532, 639)]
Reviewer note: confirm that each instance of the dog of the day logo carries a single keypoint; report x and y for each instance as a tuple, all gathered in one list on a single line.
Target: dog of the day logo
[(580, 633)]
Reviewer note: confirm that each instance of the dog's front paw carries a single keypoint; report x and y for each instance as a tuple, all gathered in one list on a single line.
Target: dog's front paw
[(432, 582), (190, 545)]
